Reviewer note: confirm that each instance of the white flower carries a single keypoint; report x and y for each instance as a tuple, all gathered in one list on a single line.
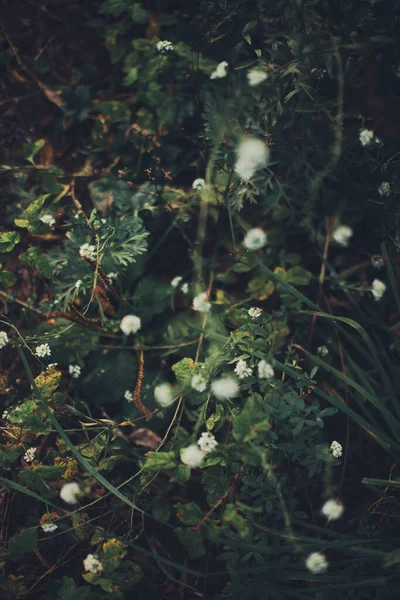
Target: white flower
[(254, 312), (88, 251), (92, 564), (332, 509), (378, 289), (130, 324), (128, 396), (176, 281), (255, 77), (198, 184), (48, 220), (200, 303), (198, 383), (3, 339), (322, 350), (384, 189), (75, 371), (221, 71), (185, 288), (316, 562), (242, 370), (342, 235), (207, 442), (112, 276), (255, 239), (70, 492), (192, 456), (6, 415), (225, 388), (366, 136), (265, 371), (78, 284), (164, 46), (42, 350), (252, 154), (29, 455), (51, 365), (336, 449), (49, 527), (163, 394)]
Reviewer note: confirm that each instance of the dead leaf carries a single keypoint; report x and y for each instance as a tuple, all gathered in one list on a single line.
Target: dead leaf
[(145, 437)]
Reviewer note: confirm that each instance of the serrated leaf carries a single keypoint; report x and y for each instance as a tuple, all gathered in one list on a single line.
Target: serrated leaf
[(184, 370)]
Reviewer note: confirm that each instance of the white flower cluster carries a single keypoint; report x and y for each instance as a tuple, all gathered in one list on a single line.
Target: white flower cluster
[(164, 46), (176, 281), (322, 350), (88, 251), (70, 492), (254, 312), (366, 136), (163, 394), (29, 455), (42, 350), (198, 184), (342, 235), (336, 449), (225, 388), (201, 304), (242, 370), (378, 289), (332, 509), (198, 383), (192, 456), (49, 527), (252, 154), (92, 564), (6, 415), (112, 276), (3, 339), (130, 324), (75, 371), (255, 239), (265, 371), (128, 396), (221, 71), (48, 220), (384, 189), (316, 562), (51, 365), (255, 77), (207, 442)]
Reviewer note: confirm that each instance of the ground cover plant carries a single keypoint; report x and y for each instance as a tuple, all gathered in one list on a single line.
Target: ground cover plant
[(200, 307)]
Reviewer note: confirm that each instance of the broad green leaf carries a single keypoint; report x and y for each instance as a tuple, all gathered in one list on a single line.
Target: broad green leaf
[(30, 150), (7, 279), (139, 15), (298, 276), (8, 240), (189, 514), (69, 591), (184, 370), (157, 461), (23, 542), (192, 542)]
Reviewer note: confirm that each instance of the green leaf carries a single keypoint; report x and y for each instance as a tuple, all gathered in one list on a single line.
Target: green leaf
[(157, 461), (113, 111), (139, 15), (181, 473), (7, 279), (23, 542), (30, 150), (239, 523), (7, 457), (184, 371), (36, 260), (215, 417), (189, 514), (69, 591), (8, 240), (298, 276), (192, 542)]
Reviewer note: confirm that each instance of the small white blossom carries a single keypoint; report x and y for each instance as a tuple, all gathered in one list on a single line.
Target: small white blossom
[(207, 442), (92, 564), (255, 77), (128, 396), (252, 154), (342, 235), (366, 136), (51, 365), (384, 189), (164, 46), (29, 455), (48, 220), (49, 527), (200, 303), (378, 289), (265, 371), (78, 284), (254, 312), (332, 509), (198, 383), (225, 388), (6, 415), (242, 370), (255, 239), (130, 324), (88, 251), (316, 562), (176, 281), (112, 276), (42, 350), (3, 339), (221, 71), (75, 371), (192, 456), (70, 492), (322, 350), (185, 288), (336, 449), (198, 184), (378, 141), (163, 394)]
